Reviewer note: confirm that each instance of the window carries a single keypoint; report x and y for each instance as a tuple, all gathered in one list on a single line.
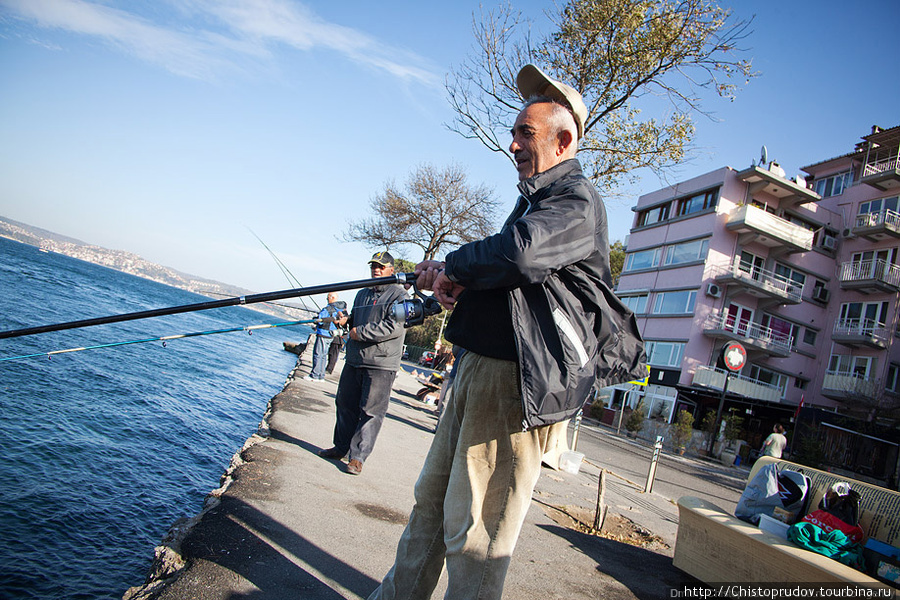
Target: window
[(657, 214), (645, 259), (892, 381), (876, 206), (637, 304), (834, 185), (859, 366), (674, 303), (698, 202), (809, 336), (781, 329), (752, 264), (687, 252), (863, 316), (664, 354), (789, 275), (764, 375)]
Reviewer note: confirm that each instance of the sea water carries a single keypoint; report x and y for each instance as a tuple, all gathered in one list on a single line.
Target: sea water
[(103, 450)]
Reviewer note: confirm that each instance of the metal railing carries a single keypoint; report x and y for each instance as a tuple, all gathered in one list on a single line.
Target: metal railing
[(880, 166), (874, 219), (878, 269), (760, 278), (751, 332), (748, 387), (851, 384), (869, 328)]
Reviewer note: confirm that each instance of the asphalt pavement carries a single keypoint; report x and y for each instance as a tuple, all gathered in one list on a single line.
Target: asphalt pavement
[(289, 524)]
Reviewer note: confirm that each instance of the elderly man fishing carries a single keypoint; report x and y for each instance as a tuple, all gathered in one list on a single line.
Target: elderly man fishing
[(533, 308)]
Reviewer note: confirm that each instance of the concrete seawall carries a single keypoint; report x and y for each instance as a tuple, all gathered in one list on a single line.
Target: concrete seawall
[(288, 524)]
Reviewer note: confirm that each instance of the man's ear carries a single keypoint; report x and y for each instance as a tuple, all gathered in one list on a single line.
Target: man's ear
[(566, 141)]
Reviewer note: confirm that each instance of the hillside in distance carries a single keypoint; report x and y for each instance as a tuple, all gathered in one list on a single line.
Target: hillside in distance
[(133, 264)]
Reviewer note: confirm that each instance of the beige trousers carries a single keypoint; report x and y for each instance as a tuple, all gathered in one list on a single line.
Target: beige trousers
[(474, 490)]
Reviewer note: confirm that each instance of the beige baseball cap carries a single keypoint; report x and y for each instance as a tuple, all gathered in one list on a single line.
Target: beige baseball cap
[(531, 81)]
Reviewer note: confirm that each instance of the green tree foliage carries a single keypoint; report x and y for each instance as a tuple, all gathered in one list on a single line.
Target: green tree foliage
[(616, 260), (426, 334), (436, 210), (635, 421), (624, 56)]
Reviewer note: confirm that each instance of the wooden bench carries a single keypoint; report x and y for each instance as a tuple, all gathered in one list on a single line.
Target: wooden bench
[(716, 547)]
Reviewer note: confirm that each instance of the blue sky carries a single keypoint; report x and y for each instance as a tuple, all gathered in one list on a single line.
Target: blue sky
[(169, 128)]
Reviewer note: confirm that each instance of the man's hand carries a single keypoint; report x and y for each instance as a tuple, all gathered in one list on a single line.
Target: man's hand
[(426, 272), (445, 291), (354, 335)]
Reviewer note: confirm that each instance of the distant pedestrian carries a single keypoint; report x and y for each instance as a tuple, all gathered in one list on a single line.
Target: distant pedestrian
[(326, 328), (775, 443), (370, 364)]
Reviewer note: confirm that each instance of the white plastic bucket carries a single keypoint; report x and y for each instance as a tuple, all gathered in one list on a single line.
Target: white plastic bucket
[(570, 461)]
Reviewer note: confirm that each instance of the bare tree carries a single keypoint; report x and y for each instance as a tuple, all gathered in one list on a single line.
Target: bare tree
[(437, 210), (622, 55)]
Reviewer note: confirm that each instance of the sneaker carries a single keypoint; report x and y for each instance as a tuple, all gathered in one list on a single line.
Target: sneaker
[(354, 467), (308, 378), (332, 452)]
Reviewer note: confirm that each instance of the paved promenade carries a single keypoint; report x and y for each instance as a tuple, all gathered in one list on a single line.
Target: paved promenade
[(293, 525)]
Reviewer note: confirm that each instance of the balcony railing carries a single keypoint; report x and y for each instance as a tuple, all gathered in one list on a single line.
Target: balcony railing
[(766, 282), (849, 385), (875, 224), (861, 331), (714, 378), (880, 166), (771, 230), (863, 271), (752, 334)]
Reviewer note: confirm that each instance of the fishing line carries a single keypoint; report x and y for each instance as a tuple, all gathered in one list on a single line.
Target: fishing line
[(284, 270), (166, 338)]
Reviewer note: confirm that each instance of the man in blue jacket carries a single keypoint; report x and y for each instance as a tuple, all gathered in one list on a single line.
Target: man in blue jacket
[(534, 310), (371, 362), (326, 328)]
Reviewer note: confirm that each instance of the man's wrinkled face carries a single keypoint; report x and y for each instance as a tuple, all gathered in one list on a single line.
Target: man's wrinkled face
[(535, 146), (379, 270)]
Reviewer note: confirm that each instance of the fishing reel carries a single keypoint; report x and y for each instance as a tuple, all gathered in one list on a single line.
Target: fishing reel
[(414, 310)]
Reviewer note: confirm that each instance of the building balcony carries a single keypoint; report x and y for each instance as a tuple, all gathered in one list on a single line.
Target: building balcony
[(769, 230), (870, 276), (752, 335), (713, 378), (849, 386), (789, 192), (882, 174), (877, 226), (758, 282), (861, 332)]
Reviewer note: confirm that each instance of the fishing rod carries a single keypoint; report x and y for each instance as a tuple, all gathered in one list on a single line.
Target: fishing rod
[(166, 338), (411, 311), (292, 280)]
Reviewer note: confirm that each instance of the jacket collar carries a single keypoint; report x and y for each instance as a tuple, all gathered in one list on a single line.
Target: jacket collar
[(530, 186)]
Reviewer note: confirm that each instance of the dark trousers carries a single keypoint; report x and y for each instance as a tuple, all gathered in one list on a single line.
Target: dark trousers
[(362, 401)]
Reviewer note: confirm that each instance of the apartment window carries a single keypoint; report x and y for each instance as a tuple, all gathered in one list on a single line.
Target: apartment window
[(687, 252), (876, 206), (860, 366), (675, 303), (781, 329), (892, 382), (698, 202), (752, 264), (664, 354), (790, 275), (864, 314), (834, 185), (809, 336), (637, 304), (654, 215), (764, 375), (645, 259), (801, 384)]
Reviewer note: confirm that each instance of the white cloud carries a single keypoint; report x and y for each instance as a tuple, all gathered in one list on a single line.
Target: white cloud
[(190, 47)]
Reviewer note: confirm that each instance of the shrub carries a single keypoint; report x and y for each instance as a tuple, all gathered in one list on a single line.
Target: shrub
[(682, 429), (635, 420)]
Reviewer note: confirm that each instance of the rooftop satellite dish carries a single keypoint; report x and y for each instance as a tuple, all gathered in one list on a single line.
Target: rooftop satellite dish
[(763, 156)]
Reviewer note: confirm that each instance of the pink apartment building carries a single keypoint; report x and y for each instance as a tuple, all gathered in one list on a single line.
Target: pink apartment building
[(804, 272)]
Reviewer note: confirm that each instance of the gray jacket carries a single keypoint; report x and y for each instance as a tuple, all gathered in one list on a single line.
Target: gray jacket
[(380, 343), (552, 257)]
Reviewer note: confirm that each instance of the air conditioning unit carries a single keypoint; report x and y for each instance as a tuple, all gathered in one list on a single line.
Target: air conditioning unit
[(829, 242), (713, 290), (821, 294), (848, 234)]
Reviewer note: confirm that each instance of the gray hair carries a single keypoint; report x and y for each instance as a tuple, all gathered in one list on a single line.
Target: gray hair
[(561, 119)]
